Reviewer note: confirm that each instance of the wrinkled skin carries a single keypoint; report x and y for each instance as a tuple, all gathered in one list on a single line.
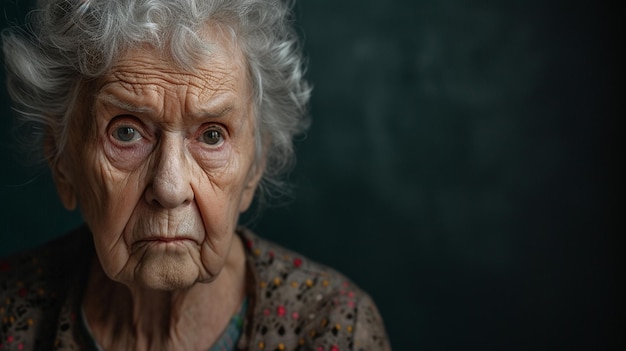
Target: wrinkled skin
[(161, 174)]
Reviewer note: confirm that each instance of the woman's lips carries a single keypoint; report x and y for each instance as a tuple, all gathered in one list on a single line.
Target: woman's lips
[(167, 239), (163, 240)]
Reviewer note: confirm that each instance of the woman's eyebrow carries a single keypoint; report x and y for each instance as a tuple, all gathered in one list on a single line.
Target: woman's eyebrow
[(214, 111), (124, 105)]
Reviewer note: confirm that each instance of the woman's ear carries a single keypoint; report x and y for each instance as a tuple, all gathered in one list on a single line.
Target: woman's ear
[(60, 174)]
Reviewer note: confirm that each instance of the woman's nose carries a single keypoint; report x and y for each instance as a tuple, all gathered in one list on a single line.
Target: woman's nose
[(170, 186)]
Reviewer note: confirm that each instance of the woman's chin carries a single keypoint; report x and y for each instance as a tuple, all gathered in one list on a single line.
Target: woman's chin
[(166, 271)]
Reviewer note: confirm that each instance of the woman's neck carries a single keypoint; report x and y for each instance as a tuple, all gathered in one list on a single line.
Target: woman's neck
[(135, 318)]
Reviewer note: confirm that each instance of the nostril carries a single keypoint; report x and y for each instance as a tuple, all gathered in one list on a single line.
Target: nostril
[(165, 195)]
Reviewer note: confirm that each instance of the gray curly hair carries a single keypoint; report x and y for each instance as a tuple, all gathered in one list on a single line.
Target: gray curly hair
[(69, 42)]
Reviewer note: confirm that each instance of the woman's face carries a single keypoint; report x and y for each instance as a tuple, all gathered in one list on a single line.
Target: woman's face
[(165, 167)]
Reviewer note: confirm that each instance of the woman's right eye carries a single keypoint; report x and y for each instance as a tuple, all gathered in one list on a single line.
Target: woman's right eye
[(126, 134)]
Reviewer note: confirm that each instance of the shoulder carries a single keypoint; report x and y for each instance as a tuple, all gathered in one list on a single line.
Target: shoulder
[(47, 263), (301, 304), (34, 285)]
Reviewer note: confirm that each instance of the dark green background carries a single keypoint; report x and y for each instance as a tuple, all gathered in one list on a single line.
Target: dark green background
[(462, 167)]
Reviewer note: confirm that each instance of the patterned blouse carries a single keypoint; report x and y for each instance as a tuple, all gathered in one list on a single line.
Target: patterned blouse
[(292, 303)]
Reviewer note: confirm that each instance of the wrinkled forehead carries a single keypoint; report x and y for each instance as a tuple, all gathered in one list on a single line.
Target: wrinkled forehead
[(141, 71), (217, 54), (218, 64)]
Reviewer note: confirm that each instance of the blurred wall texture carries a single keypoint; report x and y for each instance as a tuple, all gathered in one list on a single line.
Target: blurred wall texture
[(461, 167)]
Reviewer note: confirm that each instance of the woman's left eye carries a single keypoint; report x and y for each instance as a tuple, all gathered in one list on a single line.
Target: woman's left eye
[(126, 134), (212, 137)]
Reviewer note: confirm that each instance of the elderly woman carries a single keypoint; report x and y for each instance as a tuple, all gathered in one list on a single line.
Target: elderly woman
[(160, 120)]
